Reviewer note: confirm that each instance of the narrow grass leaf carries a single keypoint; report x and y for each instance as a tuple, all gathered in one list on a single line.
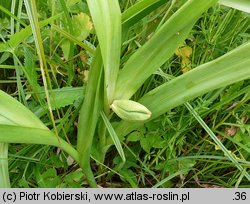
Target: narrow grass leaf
[(242, 5), (20, 36), (11, 15), (216, 140), (167, 179), (159, 48), (106, 16), (4, 171), (33, 18), (139, 10), (113, 136), (73, 39), (69, 27)]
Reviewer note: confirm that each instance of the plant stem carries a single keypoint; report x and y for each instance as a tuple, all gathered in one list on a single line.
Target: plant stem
[(86, 168)]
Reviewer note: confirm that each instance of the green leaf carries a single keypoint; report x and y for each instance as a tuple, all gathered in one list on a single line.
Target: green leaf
[(73, 39), (113, 136), (184, 165), (49, 179), (28, 135), (106, 16), (30, 71), (152, 140), (134, 136), (14, 112), (159, 48), (81, 26), (11, 15), (73, 179), (242, 5), (66, 96), (19, 37), (89, 114), (162, 182), (139, 10), (228, 69)]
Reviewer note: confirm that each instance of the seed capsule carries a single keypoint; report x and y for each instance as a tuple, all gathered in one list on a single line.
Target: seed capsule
[(130, 110)]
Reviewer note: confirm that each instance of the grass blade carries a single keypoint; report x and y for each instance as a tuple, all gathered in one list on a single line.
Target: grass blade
[(33, 17), (242, 5), (20, 36), (73, 39), (69, 27), (216, 140), (106, 16), (159, 48), (136, 12), (168, 179), (11, 15), (113, 136)]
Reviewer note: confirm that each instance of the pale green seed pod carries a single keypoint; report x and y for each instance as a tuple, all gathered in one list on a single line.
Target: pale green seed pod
[(130, 110)]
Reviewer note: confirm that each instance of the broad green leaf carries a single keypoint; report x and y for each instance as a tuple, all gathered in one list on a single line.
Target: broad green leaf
[(152, 141), (134, 136), (106, 16), (228, 69), (81, 26), (159, 48), (66, 96), (62, 97), (242, 5), (17, 114), (175, 165), (49, 179), (28, 135)]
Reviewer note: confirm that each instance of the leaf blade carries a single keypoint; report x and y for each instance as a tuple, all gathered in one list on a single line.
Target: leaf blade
[(159, 48), (233, 67), (106, 16), (242, 5), (113, 136)]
